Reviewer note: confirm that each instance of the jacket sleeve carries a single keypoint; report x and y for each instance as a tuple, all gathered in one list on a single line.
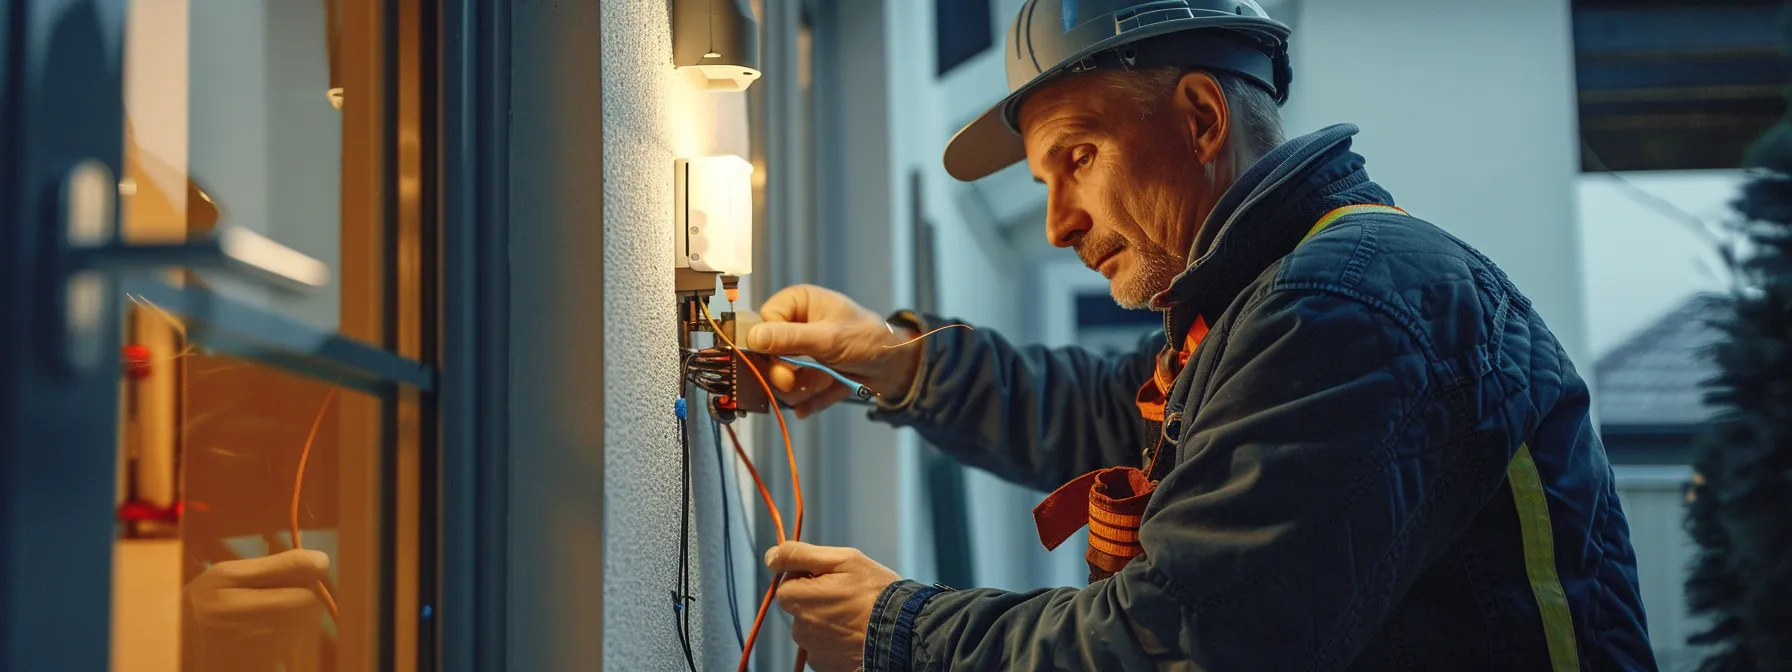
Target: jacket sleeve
[(1293, 519), (1032, 415)]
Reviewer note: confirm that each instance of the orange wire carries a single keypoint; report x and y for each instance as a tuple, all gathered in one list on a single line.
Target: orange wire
[(298, 487), (763, 492), (796, 483), (796, 487), (765, 603)]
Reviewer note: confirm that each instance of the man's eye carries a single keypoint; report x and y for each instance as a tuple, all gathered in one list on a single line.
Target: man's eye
[(1085, 159)]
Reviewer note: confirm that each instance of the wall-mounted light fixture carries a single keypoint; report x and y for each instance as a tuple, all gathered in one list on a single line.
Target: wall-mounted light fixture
[(716, 43), (714, 214)]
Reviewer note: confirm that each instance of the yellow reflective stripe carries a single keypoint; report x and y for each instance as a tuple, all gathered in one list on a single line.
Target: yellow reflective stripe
[(1533, 519), (1347, 210), (1540, 560)]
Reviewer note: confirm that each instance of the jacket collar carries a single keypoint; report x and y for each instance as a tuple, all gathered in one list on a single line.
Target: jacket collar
[(1261, 218)]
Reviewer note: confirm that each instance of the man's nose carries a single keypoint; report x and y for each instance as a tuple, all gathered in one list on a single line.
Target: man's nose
[(1065, 222)]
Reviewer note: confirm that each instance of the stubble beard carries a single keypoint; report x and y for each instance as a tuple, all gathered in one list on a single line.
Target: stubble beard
[(1154, 274), (1154, 271)]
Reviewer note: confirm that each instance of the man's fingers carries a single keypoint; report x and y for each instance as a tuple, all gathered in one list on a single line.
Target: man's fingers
[(795, 339), (821, 402), (809, 385), (782, 375), (790, 304), (812, 381), (798, 401), (803, 631), (804, 558), (289, 568), (795, 592), (797, 383), (248, 602)]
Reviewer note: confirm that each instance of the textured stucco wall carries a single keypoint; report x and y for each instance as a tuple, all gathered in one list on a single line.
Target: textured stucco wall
[(650, 117)]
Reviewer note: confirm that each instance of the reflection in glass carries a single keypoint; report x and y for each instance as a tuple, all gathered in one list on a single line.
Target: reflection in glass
[(228, 123), (260, 479), (232, 506), (227, 559)]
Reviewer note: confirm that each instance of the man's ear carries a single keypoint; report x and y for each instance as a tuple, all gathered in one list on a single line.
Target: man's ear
[(1202, 103)]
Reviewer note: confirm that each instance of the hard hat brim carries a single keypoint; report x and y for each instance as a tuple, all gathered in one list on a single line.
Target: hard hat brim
[(985, 145)]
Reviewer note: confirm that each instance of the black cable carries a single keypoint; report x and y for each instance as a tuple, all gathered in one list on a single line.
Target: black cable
[(715, 431), (681, 598)]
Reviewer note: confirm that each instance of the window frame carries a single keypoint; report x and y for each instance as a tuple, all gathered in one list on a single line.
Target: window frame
[(1666, 85), (472, 602), (56, 599), (949, 56)]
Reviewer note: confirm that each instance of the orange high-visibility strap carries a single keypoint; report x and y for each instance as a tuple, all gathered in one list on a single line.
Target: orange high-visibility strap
[(1153, 393), (1111, 502)]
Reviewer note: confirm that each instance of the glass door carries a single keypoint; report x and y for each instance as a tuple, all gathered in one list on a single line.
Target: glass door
[(217, 436)]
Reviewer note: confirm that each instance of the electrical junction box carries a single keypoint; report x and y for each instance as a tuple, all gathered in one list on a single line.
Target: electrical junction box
[(713, 202)]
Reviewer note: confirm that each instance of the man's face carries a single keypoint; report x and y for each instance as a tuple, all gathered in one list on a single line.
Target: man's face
[(1127, 184)]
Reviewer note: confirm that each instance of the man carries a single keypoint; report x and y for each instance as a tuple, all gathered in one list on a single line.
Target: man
[(1354, 446)]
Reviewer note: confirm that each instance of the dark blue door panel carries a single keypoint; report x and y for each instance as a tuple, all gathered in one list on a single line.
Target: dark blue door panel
[(62, 105)]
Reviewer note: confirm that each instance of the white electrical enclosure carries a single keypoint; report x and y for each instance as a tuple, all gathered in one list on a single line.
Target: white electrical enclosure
[(713, 224)]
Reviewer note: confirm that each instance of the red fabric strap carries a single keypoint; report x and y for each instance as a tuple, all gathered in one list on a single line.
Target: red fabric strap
[(1115, 499), (1064, 511)]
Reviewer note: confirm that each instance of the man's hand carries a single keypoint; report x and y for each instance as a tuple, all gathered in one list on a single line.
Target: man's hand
[(829, 593), (255, 612), (806, 320)]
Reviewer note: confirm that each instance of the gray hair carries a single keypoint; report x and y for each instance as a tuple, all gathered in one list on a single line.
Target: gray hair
[(1256, 126)]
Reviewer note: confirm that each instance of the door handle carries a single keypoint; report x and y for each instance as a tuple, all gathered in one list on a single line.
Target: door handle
[(94, 257)]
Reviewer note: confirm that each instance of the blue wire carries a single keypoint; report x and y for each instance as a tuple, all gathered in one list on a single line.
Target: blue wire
[(715, 432), (858, 389)]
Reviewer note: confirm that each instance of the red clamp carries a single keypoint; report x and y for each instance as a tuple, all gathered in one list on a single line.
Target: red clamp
[(136, 361)]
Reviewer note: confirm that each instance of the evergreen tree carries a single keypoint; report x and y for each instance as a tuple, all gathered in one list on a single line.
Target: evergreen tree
[(1740, 508)]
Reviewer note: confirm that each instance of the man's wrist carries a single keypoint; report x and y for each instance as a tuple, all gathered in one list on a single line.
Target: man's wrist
[(910, 365), (891, 639), (905, 364)]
